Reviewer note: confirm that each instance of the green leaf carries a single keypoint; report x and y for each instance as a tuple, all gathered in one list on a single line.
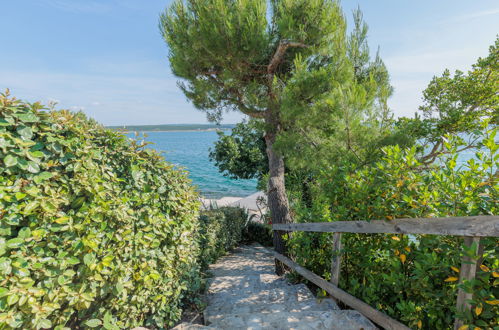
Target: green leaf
[(77, 202), (14, 243), (12, 299), (22, 163), (137, 175), (3, 142), (106, 261), (89, 259), (42, 177), (93, 323), (31, 206), (62, 220), (61, 280), (5, 266), (48, 206), (20, 195), (25, 132), (10, 160), (24, 233), (15, 323), (28, 118), (37, 154), (108, 317), (119, 287), (33, 167), (3, 292), (108, 322), (61, 327), (73, 261), (45, 324)]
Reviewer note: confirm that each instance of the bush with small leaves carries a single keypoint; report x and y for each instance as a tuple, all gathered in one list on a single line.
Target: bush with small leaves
[(258, 232), (96, 230), (221, 230), (413, 278)]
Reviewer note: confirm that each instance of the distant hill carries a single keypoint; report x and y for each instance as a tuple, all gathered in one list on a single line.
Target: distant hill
[(172, 127)]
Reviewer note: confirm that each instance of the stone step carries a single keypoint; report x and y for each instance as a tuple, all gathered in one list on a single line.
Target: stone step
[(290, 298), (213, 315), (254, 281), (190, 326), (245, 293), (263, 294), (316, 320)]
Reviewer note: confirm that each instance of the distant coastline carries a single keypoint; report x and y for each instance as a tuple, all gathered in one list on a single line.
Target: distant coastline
[(173, 127)]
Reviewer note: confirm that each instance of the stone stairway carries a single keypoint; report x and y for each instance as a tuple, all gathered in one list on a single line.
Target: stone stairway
[(245, 293)]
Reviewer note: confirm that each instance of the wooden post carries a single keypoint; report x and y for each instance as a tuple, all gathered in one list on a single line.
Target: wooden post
[(467, 272), (336, 260)]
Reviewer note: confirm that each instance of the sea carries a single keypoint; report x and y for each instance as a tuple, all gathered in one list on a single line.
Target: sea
[(189, 150)]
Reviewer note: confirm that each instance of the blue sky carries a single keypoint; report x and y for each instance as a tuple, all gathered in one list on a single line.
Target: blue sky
[(106, 57)]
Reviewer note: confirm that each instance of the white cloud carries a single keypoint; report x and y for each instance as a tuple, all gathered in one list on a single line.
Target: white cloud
[(475, 15)]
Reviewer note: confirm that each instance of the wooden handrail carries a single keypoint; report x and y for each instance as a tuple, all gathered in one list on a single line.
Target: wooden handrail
[(471, 228), (478, 226), (366, 310)]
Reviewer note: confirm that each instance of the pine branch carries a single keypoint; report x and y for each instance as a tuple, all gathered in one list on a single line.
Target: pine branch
[(280, 52), (233, 96)]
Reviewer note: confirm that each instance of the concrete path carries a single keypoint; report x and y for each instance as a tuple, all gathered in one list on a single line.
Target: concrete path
[(255, 204), (245, 293), (252, 202)]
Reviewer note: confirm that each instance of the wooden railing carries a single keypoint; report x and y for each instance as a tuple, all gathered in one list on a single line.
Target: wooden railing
[(471, 228)]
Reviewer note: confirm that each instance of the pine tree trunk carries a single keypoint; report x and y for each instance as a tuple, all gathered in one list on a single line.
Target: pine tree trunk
[(277, 198)]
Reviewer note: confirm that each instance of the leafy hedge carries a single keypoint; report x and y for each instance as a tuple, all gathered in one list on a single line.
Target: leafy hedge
[(413, 278), (221, 230), (96, 231), (258, 232)]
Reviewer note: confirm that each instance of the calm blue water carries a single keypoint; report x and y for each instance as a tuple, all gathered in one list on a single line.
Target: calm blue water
[(190, 150)]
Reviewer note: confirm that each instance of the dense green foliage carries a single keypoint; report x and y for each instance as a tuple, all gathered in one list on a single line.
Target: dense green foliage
[(221, 230), (226, 50), (413, 278), (459, 103), (289, 63), (96, 231), (409, 277), (331, 110), (258, 232), (456, 104), (241, 154)]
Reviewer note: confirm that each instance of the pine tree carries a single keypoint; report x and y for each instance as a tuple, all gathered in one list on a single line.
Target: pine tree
[(258, 56)]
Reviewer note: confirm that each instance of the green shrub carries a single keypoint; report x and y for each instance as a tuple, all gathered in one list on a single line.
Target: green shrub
[(96, 231), (221, 230), (259, 233), (412, 278)]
